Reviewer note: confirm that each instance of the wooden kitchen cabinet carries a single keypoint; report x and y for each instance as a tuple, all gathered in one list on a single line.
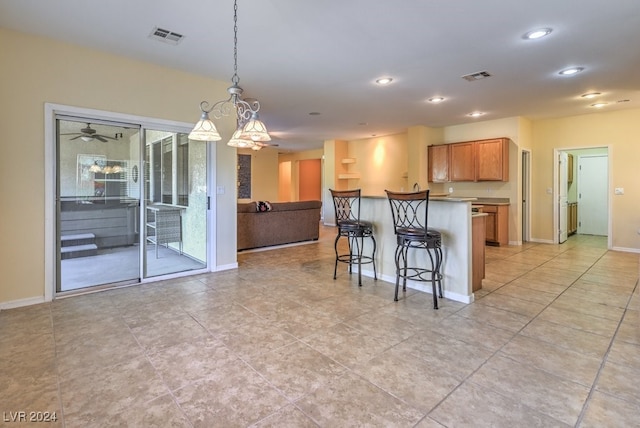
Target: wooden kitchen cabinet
[(492, 160), (462, 164), (438, 163), (497, 224), (572, 218), (478, 237)]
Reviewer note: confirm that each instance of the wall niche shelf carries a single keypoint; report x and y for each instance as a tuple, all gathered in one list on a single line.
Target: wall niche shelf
[(348, 176), (348, 160)]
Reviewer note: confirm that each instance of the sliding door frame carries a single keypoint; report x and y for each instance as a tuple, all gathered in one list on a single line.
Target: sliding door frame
[(51, 111)]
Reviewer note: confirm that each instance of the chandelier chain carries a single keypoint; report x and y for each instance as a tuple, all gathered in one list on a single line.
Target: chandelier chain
[(235, 79)]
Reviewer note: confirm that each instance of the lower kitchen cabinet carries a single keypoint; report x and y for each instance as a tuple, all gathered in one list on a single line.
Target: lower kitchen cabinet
[(478, 237), (497, 224)]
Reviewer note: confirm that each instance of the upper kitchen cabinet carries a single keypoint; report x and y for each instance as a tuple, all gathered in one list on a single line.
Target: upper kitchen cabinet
[(482, 160), (462, 163), (492, 160), (438, 163)]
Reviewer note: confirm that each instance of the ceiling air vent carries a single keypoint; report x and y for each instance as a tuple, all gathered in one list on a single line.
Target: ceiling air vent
[(476, 76), (166, 36)]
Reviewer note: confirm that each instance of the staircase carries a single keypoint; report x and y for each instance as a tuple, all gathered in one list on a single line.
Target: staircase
[(80, 245)]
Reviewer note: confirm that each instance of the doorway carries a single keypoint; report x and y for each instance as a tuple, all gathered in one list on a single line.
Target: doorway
[(587, 181), (131, 203)]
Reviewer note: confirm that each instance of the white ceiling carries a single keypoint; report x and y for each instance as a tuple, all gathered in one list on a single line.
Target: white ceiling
[(299, 57)]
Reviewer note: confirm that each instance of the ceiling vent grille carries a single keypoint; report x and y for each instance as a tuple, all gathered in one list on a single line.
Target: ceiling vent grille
[(476, 76), (166, 36)]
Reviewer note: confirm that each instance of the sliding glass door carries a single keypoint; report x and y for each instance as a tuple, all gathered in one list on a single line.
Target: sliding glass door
[(98, 205), (131, 203), (175, 194)]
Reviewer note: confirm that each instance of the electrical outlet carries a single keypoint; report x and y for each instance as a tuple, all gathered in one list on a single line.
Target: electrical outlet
[(450, 189), (618, 191)]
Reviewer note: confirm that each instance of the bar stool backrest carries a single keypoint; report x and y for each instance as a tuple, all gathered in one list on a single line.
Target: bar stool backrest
[(410, 212), (347, 206)]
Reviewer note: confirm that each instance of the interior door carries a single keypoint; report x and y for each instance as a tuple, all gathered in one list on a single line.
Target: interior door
[(593, 183), (526, 186), (563, 187)]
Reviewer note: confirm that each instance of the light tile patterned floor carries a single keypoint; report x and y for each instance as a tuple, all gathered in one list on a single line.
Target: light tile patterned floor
[(552, 340)]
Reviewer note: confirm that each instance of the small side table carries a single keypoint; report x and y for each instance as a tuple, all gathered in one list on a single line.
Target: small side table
[(164, 225)]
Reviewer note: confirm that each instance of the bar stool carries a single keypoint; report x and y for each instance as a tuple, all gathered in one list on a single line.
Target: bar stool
[(410, 214), (347, 209)]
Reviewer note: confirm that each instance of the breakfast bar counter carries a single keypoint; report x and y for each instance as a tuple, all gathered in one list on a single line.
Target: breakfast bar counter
[(452, 217)]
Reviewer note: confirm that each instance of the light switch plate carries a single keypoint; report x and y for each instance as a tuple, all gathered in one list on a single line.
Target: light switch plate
[(618, 191)]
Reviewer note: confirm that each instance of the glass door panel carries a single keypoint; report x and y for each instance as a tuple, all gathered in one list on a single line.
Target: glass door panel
[(98, 203), (175, 202)]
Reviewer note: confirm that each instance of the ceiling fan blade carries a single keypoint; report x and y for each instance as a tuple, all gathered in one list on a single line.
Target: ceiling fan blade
[(105, 136), (100, 138), (75, 138), (72, 133)]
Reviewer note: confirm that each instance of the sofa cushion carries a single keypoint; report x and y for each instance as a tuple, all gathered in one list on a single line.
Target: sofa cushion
[(263, 206)]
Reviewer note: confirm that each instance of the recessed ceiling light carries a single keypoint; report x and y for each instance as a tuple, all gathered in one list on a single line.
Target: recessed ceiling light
[(475, 114), (384, 80), (436, 100), (536, 34), (571, 71), (590, 95), (363, 123), (598, 105), (623, 101), (314, 113)]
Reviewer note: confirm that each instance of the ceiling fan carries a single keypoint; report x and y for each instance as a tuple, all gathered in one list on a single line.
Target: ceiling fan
[(89, 134), (258, 145)]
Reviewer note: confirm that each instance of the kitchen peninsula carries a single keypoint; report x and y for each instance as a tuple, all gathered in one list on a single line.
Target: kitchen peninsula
[(452, 217)]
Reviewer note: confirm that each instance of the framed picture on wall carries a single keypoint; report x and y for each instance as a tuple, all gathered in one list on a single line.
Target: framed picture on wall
[(244, 176)]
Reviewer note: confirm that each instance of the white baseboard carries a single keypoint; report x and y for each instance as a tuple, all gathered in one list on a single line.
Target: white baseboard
[(21, 302), (420, 286), (542, 241), (226, 267), (626, 250)]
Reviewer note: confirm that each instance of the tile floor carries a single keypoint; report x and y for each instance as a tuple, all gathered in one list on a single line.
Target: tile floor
[(553, 339)]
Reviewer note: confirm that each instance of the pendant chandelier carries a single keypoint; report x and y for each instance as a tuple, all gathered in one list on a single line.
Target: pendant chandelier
[(250, 128)]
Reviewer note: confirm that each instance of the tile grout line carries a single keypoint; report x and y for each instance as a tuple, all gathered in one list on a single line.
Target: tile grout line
[(604, 361)]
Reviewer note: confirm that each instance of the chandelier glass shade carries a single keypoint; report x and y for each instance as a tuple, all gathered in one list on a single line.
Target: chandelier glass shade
[(205, 129), (238, 142), (250, 128)]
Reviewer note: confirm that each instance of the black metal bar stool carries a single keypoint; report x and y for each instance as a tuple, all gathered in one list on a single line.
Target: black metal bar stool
[(410, 213), (347, 209)]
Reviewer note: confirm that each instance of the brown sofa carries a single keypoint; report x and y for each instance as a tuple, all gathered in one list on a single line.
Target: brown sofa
[(285, 223)]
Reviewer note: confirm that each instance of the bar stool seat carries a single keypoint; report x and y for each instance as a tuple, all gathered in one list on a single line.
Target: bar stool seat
[(410, 215), (347, 210)]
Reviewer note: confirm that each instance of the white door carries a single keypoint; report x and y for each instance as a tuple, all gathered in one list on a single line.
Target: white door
[(592, 195), (563, 161), (526, 190)]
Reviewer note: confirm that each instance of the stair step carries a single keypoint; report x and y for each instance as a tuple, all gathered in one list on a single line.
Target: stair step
[(75, 251), (77, 239)]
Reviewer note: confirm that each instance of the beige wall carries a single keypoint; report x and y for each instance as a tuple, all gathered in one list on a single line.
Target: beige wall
[(620, 132), (36, 71), (382, 163), (264, 182)]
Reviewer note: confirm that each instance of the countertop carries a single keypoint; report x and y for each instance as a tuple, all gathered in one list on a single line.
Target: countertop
[(492, 201), (431, 198)]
